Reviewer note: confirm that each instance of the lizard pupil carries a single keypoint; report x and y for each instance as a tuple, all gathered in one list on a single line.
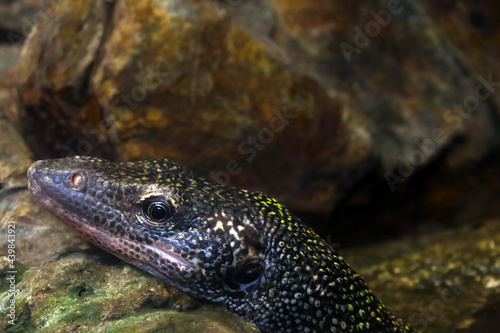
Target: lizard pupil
[(157, 211), (249, 273)]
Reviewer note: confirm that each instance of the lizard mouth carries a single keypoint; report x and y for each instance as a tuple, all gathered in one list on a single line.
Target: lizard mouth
[(159, 259)]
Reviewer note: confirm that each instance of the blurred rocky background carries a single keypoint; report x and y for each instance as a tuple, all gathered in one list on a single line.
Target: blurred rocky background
[(377, 122)]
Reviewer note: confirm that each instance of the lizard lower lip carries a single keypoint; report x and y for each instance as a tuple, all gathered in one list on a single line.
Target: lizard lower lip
[(133, 252)]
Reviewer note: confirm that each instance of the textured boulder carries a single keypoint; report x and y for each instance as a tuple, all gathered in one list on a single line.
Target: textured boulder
[(21, 16), (299, 99), (444, 282)]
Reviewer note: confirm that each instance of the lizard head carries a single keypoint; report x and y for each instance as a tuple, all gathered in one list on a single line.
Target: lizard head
[(197, 235)]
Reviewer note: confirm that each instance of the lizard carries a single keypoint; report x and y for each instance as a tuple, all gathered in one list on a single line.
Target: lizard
[(215, 242)]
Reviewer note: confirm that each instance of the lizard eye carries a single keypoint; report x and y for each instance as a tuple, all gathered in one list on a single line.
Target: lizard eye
[(249, 273), (157, 211)]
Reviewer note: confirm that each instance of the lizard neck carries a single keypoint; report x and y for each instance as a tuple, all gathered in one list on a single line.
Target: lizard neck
[(310, 288)]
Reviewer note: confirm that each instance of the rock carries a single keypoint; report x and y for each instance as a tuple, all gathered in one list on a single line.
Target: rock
[(20, 16), (447, 281), (295, 99), (471, 27), (69, 77), (15, 158), (8, 59)]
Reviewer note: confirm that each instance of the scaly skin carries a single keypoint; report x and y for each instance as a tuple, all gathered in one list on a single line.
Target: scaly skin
[(214, 242)]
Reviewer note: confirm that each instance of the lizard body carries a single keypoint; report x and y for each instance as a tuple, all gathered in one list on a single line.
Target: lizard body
[(215, 242)]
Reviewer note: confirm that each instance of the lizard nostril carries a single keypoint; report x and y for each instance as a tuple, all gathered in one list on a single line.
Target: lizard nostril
[(76, 179)]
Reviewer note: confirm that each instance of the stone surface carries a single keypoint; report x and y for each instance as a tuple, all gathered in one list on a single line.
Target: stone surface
[(65, 70), (448, 281), (19, 17), (203, 84), (15, 157), (472, 27), (8, 59)]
